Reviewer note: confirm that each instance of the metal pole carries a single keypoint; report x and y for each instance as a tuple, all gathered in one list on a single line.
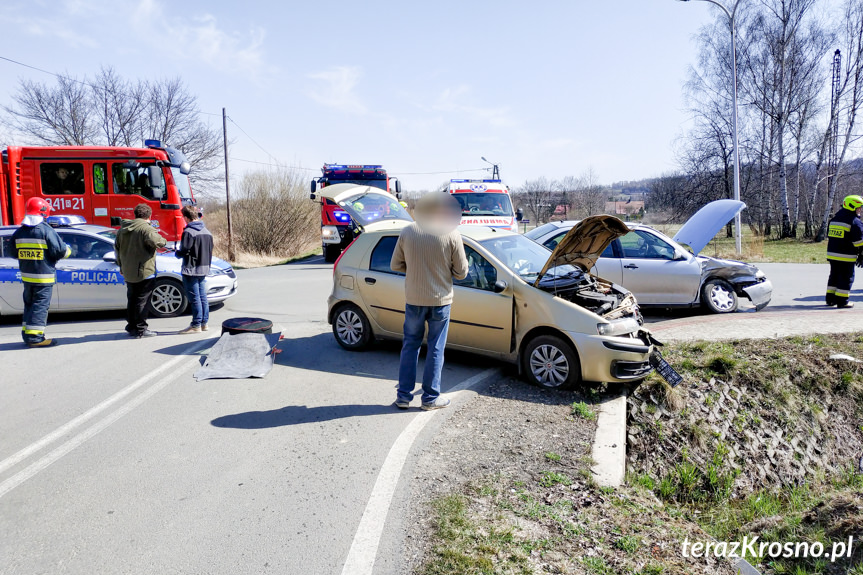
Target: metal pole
[(737, 219), (231, 255), (731, 19)]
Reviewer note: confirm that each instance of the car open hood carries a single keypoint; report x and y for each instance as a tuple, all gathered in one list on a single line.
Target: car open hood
[(584, 243), (706, 223)]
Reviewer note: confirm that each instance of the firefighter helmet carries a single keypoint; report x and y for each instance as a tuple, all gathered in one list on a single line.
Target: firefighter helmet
[(852, 203), (41, 207)]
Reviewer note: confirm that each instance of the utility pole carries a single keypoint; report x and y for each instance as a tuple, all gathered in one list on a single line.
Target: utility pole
[(732, 14), (231, 255), (495, 169)]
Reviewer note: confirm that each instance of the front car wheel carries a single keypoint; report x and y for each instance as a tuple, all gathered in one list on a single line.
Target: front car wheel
[(168, 299), (549, 361), (718, 296)]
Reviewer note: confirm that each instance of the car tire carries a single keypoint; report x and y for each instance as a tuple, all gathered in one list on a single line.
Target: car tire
[(168, 299), (549, 361), (331, 253), (351, 328), (718, 296)]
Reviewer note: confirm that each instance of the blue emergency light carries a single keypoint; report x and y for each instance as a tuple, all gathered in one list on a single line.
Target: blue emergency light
[(343, 217), (477, 181), (64, 221), (152, 144)]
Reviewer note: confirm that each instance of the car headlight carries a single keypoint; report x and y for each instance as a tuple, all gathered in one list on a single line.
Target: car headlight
[(618, 327), (760, 275)]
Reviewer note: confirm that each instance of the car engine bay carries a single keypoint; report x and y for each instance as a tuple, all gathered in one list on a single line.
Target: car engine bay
[(595, 294)]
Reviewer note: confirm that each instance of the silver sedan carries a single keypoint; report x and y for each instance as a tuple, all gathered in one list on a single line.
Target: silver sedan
[(660, 272)]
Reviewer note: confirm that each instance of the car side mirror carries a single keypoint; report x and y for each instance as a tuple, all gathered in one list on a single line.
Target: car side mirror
[(110, 258), (680, 256), (519, 214), (314, 188), (499, 286)]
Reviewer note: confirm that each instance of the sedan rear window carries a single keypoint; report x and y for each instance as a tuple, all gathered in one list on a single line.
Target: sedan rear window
[(382, 255)]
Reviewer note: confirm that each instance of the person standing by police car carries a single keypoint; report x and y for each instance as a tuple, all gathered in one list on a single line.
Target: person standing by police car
[(38, 248), (135, 249), (196, 249), (844, 251)]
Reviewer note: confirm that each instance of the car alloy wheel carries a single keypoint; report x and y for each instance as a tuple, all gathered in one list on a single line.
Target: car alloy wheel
[(549, 366), (719, 296), (351, 328), (168, 299)]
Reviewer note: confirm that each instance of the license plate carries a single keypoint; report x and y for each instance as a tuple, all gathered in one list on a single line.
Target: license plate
[(664, 369)]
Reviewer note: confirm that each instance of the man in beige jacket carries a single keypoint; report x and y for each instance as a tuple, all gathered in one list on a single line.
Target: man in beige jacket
[(430, 253)]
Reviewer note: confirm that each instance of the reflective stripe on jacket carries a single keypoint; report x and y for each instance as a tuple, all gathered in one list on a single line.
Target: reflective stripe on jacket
[(38, 249), (844, 236)]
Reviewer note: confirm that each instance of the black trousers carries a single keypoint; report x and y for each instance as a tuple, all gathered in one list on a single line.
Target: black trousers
[(37, 299), (137, 297), (840, 281)]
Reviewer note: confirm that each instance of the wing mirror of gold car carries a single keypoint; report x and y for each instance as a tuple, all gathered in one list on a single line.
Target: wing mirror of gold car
[(499, 286)]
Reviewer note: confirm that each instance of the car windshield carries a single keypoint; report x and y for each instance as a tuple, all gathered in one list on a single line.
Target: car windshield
[(525, 257), (537, 233), (182, 182), (110, 234), (373, 207), (484, 204)]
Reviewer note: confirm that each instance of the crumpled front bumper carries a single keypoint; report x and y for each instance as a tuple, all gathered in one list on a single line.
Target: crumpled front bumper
[(759, 294)]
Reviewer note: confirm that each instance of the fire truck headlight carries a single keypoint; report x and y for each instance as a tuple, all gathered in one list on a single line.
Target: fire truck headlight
[(330, 235)]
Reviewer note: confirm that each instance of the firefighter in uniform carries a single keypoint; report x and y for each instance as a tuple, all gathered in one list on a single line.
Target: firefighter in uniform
[(844, 250), (37, 247)]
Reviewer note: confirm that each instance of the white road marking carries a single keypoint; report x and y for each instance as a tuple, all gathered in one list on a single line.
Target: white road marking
[(364, 549), (67, 428)]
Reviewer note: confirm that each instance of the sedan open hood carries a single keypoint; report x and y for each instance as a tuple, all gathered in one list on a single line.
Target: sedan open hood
[(584, 243), (706, 223)]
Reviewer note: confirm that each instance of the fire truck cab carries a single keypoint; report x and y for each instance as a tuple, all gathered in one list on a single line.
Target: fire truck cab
[(485, 203), (335, 222), (101, 184)]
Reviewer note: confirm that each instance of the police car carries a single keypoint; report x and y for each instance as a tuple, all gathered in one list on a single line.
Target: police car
[(90, 278)]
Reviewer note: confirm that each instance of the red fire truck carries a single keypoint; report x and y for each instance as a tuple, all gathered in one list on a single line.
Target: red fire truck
[(102, 184), (335, 222)]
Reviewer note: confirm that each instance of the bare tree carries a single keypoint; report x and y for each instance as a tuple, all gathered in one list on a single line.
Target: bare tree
[(59, 115), (113, 111), (537, 196)]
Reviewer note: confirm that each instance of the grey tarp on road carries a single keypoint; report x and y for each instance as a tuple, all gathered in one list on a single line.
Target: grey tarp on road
[(239, 356)]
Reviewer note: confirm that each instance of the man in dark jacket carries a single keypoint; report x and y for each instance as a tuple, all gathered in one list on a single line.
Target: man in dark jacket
[(196, 249), (844, 246), (38, 248), (135, 249)]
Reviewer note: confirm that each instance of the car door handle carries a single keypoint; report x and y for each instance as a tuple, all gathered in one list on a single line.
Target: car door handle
[(631, 266), (371, 281)]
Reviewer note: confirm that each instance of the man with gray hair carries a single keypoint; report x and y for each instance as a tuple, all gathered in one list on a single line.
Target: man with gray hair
[(430, 253)]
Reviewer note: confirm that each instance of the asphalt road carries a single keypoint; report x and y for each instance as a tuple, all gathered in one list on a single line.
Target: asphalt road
[(113, 459)]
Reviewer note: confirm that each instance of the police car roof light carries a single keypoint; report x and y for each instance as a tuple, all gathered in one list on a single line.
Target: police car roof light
[(471, 181), (61, 221), (152, 144)]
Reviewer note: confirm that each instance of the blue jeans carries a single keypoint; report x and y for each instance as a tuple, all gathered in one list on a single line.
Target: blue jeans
[(416, 318), (197, 294), (37, 299)]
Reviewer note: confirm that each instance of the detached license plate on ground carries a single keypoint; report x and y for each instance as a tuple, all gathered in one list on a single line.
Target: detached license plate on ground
[(664, 369)]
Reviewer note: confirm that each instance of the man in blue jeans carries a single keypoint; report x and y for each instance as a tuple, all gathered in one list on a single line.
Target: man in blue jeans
[(430, 253), (196, 249)]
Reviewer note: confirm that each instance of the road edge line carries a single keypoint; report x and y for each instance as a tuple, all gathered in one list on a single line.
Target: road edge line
[(364, 547)]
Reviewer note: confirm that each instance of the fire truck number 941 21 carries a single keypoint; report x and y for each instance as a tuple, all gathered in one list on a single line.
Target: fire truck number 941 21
[(67, 204)]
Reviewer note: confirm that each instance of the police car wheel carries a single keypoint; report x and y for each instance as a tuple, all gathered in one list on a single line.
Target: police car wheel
[(351, 328), (168, 299), (718, 296), (550, 362)]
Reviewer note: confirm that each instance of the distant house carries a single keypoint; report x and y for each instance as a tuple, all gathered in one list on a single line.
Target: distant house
[(624, 208)]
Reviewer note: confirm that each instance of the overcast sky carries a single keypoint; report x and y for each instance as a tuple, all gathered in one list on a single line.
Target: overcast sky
[(544, 87)]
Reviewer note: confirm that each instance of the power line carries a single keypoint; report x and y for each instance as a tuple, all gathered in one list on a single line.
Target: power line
[(273, 165), (443, 172)]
